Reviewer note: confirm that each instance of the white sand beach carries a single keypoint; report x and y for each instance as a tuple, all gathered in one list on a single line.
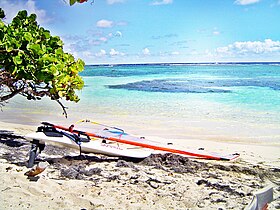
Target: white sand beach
[(118, 184)]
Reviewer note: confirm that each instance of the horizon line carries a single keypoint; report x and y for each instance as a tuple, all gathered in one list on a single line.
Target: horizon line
[(187, 63)]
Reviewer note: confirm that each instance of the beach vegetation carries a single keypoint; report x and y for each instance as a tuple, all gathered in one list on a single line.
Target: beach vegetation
[(33, 63)]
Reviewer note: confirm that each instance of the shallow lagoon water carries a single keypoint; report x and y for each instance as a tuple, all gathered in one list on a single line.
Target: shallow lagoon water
[(233, 102)]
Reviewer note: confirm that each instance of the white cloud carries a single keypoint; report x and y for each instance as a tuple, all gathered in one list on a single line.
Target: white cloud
[(146, 51), (116, 34), (222, 50), (175, 53), (103, 39), (114, 1), (114, 52), (246, 2), (11, 9), (104, 23), (167, 54), (87, 54), (216, 32), (162, 2), (101, 53), (250, 47)]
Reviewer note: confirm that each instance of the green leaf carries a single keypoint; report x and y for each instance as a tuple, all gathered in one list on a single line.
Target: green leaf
[(9, 48), (27, 36), (72, 2), (1, 24), (2, 13), (22, 14), (80, 65), (32, 17), (16, 21), (17, 60), (43, 47), (59, 51), (49, 49), (60, 42), (47, 34), (34, 47)]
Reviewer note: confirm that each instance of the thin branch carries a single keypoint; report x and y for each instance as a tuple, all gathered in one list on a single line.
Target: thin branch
[(63, 108), (12, 94), (26, 88), (2, 51)]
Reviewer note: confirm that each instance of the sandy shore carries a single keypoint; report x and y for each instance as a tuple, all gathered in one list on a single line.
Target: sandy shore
[(158, 182)]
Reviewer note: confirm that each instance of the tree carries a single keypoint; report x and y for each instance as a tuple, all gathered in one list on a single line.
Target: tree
[(33, 63)]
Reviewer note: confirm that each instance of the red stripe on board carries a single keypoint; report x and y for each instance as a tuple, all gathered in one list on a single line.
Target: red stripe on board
[(166, 149)]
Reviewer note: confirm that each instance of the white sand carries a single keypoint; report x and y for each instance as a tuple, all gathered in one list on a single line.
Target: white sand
[(173, 191)]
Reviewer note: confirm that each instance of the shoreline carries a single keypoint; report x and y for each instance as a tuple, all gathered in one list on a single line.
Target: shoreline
[(207, 129)]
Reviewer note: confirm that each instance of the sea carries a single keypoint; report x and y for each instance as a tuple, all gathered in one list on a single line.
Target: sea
[(214, 101)]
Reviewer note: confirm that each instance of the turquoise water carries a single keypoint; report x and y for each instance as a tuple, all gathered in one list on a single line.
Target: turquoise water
[(224, 101), (243, 87)]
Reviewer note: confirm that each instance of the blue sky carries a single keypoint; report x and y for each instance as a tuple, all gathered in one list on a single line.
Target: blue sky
[(156, 31)]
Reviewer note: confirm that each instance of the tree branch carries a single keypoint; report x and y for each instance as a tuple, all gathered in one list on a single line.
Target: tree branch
[(12, 94), (3, 51), (63, 108)]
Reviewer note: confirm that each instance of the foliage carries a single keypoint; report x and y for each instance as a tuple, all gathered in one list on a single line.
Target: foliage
[(79, 1), (33, 63)]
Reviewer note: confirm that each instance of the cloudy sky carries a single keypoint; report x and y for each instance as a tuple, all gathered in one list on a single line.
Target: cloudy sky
[(156, 31)]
